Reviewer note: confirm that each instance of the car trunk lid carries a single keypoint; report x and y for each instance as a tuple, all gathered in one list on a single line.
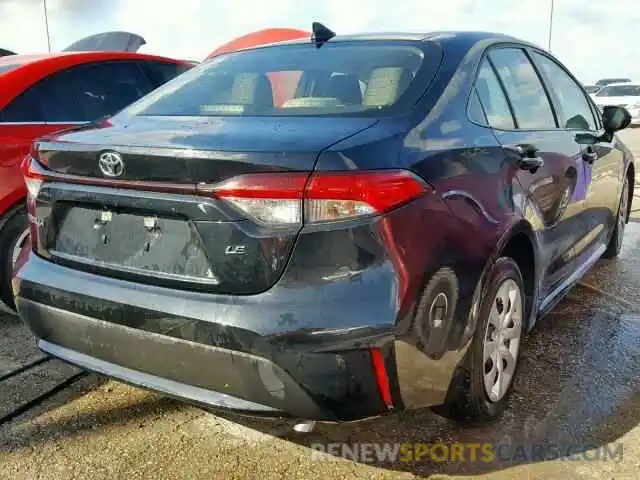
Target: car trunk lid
[(108, 42), (162, 220), (196, 150)]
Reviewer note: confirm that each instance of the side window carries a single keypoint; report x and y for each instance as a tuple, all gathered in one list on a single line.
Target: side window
[(23, 108), (164, 71), (476, 113), (530, 103), (596, 113), (82, 94), (493, 99), (575, 111)]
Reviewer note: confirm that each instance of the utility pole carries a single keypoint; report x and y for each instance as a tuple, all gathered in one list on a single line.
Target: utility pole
[(46, 24), (550, 25)]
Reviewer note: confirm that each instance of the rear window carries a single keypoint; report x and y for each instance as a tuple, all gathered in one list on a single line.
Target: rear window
[(164, 71), (6, 68), (620, 91), (339, 78)]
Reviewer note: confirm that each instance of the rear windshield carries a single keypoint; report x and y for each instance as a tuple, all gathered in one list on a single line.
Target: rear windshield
[(339, 78), (6, 68), (619, 91)]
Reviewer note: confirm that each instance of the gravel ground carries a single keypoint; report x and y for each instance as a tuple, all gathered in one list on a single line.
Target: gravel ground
[(579, 384)]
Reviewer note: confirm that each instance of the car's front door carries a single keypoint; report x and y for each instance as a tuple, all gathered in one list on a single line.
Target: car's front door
[(602, 162), (551, 168)]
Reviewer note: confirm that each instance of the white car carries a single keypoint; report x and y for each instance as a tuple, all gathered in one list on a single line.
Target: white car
[(625, 95)]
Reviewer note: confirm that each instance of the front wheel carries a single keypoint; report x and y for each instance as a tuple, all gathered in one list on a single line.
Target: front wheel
[(615, 244), (492, 359), (13, 236)]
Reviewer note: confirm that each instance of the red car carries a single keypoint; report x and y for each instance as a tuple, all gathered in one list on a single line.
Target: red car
[(95, 77), (40, 94)]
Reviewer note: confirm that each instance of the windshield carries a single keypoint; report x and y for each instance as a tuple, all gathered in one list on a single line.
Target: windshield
[(6, 68), (299, 79), (619, 91)]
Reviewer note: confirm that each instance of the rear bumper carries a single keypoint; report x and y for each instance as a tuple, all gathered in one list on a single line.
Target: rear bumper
[(288, 352), (153, 382), (216, 363), (154, 361)]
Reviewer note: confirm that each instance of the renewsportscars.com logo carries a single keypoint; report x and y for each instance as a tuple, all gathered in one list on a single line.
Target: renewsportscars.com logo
[(465, 452)]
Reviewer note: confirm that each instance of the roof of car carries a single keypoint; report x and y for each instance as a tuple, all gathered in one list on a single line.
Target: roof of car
[(622, 84), (466, 38), (43, 57), (471, 36)]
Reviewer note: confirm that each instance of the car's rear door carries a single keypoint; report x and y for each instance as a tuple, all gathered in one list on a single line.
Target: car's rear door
[(551, 167), (602, 162)]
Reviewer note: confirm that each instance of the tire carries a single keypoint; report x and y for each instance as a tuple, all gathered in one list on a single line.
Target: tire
[(615, 243), (470, 400), (11, 237)]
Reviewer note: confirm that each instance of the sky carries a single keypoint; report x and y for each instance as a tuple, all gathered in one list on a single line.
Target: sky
[(594, 38)]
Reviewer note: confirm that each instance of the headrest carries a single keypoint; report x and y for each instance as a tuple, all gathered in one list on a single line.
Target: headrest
[(346, 88), (386, 85), (254, 90)]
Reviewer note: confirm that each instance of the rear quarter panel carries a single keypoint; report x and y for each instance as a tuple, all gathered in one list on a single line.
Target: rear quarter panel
[(480, 204), (14, 145)]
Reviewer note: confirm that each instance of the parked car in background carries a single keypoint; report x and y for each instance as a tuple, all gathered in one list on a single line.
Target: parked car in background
[(592, 88), (625, 95), (40, 94), (609, 81), (379, 239), (259, 37)]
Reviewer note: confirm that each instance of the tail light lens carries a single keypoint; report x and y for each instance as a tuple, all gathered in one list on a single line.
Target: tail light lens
[(270, 198), (33, 178), (293, 198), (285, 199)]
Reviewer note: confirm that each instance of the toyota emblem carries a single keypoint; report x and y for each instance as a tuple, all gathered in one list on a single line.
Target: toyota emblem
[(111, 164)]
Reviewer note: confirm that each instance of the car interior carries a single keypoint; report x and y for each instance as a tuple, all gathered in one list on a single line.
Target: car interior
[(254, 92)]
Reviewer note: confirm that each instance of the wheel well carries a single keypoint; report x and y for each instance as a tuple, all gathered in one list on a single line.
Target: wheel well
[(631, 175), (520, 249), (4, 218)]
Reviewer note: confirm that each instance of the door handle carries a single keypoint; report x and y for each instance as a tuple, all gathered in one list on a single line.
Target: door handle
[(531, 164), (528, 157), (589, 155)]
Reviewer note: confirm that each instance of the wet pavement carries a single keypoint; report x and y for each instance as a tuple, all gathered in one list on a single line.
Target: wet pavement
[(578, 388)]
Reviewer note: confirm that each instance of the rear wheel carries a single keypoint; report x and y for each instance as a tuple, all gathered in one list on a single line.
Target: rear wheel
[(492, 359), (13, 236), (615, 244)]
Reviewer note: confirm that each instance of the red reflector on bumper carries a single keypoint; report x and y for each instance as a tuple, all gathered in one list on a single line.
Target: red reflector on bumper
[(382, 379)]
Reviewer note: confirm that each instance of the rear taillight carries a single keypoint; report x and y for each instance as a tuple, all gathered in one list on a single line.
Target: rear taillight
[(33, 178), (294, 198)]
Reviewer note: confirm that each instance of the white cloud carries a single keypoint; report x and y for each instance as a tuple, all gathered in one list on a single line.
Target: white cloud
[(593, 38)]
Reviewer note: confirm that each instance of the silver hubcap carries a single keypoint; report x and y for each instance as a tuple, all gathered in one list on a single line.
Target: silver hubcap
[(502, 340), (18, 247)]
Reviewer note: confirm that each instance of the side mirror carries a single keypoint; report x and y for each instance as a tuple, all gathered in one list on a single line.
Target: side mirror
[(615, 118)]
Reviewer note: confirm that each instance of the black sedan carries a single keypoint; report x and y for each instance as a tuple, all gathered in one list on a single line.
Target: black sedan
[(379, 235)]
